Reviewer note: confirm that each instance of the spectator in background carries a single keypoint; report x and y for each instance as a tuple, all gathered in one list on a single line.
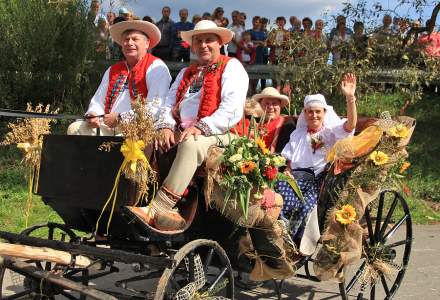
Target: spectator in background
[(318, 33), (217, 16), (395, 28), (246, 50), (264, 22), (258, 37), (94, 13), (181, 49), (102, 41), (277, 40), (307, 24), (237, 29), (292, 21), (225, 22), (196, 19), (360, 41), (385, 29), (111, 16), (148, 19), (340, 40), (340, 22), (243, 18), (165, 25), (206, 16), (125, 14)]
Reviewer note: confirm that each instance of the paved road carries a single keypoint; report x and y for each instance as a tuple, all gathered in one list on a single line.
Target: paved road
[(422, 280)]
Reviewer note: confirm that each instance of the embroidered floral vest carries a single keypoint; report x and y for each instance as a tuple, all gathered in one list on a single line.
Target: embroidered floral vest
[(210, 96), (136, 78)]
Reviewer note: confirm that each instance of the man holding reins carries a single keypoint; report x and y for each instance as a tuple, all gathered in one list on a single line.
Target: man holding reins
[(140, 74)]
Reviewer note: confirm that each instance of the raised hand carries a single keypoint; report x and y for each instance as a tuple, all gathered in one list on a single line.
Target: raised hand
[(348, 85)]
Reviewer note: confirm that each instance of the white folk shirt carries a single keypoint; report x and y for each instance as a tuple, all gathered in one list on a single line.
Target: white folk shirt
[(234, 87), (158, 80), (300, 152)]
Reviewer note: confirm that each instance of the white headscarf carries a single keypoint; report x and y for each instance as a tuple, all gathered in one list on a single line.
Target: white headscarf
[(331, 119)]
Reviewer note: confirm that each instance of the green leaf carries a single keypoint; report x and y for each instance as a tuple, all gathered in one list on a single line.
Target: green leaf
[(294, 185)]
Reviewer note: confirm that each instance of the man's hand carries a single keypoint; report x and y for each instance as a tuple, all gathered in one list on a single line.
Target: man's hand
[(188, 132), (165, 139), (93, 122), (348, 85), (111, 119)]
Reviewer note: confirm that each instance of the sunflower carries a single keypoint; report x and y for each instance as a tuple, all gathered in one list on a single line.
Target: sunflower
[(262, 145), (247, 167), (379, 157), (346, 215), (399, 131)]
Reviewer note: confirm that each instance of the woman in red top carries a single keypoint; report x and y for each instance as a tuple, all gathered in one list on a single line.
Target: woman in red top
[(274, 128)]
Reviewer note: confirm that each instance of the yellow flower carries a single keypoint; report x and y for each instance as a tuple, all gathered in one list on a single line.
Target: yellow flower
[(262, 145), (346, 215), (247, 167), (379, 158), (133, 151), (404, 167), (399, 131)]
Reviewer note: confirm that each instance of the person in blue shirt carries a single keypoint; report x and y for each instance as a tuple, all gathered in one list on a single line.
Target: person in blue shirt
[(181, 50), (258, 37)]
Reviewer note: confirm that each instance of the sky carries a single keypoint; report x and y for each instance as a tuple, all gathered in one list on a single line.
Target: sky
[(268, 8)]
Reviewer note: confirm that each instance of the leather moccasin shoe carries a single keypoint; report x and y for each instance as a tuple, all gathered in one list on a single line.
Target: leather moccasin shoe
[(169, 221)]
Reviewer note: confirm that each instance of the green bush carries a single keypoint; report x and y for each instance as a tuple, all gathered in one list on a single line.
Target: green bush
[(44, 53)]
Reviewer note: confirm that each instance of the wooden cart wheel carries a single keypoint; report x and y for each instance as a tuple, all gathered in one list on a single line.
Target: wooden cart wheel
[(16, 286), (202, 270), (389, 240)]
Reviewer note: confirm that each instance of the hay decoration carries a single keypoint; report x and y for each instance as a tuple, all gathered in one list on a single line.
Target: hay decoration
[(27, 134), (138, 132), (376, 159)]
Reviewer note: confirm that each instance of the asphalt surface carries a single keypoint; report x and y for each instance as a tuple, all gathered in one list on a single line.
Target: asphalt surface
[(421, 281)]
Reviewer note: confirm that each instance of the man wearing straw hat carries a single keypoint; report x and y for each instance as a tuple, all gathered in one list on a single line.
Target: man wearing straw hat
[(205, 101), (140, 74)]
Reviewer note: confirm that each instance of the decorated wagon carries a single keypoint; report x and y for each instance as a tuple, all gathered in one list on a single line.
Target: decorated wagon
[(364, 221)]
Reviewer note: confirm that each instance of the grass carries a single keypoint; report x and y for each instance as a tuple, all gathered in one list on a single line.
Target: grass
[(423, 177)]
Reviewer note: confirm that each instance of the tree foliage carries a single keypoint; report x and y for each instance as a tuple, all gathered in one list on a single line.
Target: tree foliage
[(306, 69), (44, 52)]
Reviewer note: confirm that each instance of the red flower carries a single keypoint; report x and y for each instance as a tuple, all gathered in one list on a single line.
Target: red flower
[(406, 190), (185, 45), (271, 173)]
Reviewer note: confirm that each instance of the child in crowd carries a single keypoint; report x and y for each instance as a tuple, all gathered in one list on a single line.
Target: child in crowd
[(246, 49)]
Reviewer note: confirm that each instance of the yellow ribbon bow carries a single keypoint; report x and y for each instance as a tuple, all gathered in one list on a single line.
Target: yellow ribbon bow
[(133, 152)]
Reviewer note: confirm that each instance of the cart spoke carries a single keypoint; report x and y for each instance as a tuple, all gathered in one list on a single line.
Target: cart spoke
[(394, 229), (384, 284), (369, 226), (373, 292), (217, 279), (388, 217), (399, 243), (208, 260), (379, 217), (356, 277)]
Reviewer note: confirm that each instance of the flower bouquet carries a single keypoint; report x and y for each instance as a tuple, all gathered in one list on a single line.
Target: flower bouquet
[(245, 173), (377, 160)]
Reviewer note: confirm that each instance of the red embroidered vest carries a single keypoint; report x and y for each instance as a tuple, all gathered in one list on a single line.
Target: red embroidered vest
[(210, 96), (136, 78)]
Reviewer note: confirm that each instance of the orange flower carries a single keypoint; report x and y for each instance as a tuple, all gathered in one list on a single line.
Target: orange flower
[(404, 167), (262, 145), (247, 167), (346, 215)]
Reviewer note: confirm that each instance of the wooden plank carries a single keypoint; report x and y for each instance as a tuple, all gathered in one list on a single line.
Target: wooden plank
[(43, 254)]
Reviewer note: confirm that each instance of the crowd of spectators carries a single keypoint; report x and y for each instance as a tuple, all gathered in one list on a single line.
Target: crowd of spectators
[(262, 44)]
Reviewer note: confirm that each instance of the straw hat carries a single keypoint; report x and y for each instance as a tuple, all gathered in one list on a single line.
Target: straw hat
[(271, 92), (207, 26), (148, 28)]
